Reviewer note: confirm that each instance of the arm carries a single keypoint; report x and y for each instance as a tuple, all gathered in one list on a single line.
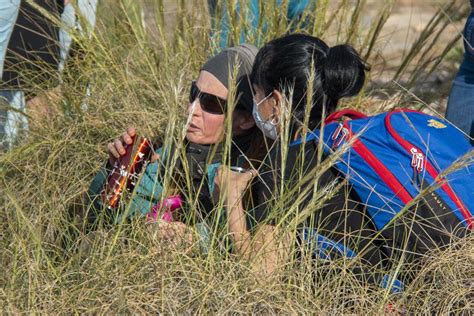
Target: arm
[(271, 249), (265, 250), (236, 214)]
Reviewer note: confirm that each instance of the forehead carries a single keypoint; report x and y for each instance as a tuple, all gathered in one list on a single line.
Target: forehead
[(207, 82)]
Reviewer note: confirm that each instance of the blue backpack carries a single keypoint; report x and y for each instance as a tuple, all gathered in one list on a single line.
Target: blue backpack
[(390, 158)]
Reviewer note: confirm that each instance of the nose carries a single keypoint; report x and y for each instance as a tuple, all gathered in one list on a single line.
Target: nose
[(194, 108)]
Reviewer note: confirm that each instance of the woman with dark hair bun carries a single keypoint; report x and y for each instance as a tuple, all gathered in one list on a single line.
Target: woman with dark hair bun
[(297, 81), (288, 63)]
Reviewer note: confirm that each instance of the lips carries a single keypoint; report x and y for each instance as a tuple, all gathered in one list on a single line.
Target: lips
[(193, 128)]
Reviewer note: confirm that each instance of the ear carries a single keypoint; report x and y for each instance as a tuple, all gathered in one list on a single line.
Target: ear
[(277, 98)]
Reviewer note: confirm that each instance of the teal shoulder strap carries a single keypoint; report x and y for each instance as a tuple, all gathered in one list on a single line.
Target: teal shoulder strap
[(211, 175)]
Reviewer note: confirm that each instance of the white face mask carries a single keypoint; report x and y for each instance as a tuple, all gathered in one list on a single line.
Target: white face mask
[(268, 128)]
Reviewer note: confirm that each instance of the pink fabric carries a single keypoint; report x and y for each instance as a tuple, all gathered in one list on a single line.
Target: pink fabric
[(168, 206)]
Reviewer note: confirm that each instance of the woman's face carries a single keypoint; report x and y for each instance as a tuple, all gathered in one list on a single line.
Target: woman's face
[(206, 128)]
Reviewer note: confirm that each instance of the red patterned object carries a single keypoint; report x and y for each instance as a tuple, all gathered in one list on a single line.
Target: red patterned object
[(126, 171)]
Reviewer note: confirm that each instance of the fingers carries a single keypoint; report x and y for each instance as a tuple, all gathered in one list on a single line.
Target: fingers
[(253, 173), (234, 181), (117, 147), (239, 170), (245, 176), (127, 136), (154, 157), (113, 153), (235, 173), (131, 131), (174, 232), (115, 150)]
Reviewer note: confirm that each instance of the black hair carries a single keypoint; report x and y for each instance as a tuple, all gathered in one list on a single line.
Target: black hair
[(286, 62)]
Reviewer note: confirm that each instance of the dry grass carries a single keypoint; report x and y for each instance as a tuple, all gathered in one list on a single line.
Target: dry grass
[(50, 266)]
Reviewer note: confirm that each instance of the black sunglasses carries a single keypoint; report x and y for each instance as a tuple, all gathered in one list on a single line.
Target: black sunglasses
[(209, 102)]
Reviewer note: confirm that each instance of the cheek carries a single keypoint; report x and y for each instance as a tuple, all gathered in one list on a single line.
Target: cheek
[(266, 110), (213, 125)]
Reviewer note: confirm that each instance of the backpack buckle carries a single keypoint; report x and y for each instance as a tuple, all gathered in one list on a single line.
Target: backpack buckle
[(339, 135), (417, 159)]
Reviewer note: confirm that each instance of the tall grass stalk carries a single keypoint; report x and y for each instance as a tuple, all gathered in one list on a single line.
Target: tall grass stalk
[(138, 70)]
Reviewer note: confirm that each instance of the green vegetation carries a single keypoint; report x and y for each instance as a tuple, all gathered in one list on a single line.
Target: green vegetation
[(139, 74)]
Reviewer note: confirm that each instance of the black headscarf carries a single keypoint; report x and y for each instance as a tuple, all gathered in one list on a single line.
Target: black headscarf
[(222, 67)]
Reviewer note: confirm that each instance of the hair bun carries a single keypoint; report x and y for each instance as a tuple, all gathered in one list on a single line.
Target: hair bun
[(344, 72)]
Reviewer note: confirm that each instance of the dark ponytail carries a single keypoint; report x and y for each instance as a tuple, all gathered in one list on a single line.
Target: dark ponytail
[(286, 62)]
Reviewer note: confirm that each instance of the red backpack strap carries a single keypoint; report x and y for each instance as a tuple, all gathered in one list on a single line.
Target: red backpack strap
[(353, 114)]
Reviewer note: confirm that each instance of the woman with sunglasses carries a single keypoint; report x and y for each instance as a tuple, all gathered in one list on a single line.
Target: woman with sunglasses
[(205, 132), (324, 215)]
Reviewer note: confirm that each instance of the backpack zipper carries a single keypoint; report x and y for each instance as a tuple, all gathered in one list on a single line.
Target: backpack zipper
[(420, 161), (418, 165)]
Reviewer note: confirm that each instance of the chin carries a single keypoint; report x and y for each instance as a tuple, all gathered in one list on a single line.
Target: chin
[(193, 138)]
